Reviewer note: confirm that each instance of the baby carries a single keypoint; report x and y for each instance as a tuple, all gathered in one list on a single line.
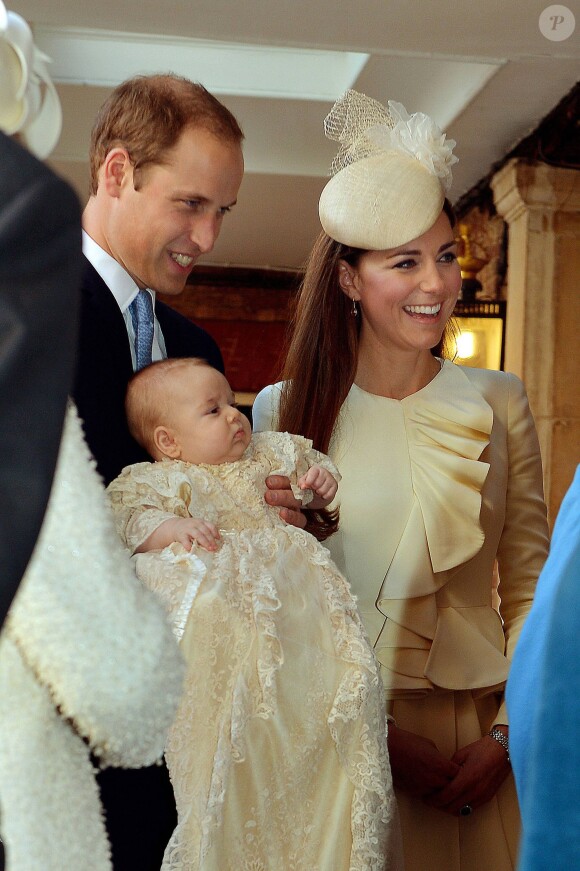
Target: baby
[(278, 753)]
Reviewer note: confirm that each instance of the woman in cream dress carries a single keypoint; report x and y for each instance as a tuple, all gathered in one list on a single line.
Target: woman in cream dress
[(441, 477)]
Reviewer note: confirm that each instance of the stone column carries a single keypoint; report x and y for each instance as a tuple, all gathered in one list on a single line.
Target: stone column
[(541, 205)]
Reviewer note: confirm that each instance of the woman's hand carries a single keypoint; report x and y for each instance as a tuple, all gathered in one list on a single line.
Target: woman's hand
[(279, 495), (483, 766), (417, 765)]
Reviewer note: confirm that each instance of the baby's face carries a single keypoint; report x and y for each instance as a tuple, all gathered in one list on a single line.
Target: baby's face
[(204, 419)]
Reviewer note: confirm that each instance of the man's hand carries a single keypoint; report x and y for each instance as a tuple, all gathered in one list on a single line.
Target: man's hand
[(279, 495)]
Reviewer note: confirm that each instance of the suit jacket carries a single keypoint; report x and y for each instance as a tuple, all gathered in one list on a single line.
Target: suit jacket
[(40, 273), (104, 368)]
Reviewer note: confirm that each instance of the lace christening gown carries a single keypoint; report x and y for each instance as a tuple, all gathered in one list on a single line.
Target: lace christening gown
[(278, 753)]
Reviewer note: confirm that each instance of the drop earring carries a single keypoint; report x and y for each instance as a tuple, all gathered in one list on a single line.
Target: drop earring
[(354, 311)]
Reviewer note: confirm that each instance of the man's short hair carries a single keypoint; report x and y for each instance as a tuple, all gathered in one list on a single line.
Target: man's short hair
[(146, 115)]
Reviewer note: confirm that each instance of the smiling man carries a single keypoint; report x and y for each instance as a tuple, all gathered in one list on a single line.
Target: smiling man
[(166, 166)]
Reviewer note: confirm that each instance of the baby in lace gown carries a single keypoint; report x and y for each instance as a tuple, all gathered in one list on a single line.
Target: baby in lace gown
[(277, 755)]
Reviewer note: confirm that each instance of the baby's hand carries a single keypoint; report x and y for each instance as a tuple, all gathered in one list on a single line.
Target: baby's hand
[(192, 530), (322, 483), (185, 530)]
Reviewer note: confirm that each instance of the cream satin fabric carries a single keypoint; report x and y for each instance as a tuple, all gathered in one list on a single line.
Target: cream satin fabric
[(433, 488)]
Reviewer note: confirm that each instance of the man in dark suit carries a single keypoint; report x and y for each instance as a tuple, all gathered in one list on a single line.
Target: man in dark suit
[(166, 166)]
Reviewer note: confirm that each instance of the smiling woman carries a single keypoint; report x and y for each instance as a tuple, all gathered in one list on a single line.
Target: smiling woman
[(441, 477), (407, 294)]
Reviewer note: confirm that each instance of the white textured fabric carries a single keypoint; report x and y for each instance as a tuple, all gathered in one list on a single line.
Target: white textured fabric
[(87, 662), (278, 753)]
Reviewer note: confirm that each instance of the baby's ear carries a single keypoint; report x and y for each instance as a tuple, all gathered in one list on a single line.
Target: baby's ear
[(166, 443)]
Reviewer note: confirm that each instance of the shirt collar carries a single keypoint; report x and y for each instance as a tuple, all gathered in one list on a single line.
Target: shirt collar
[(113, 274)]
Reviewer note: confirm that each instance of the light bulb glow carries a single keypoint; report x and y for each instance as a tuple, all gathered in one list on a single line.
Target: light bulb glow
[(466, 345)]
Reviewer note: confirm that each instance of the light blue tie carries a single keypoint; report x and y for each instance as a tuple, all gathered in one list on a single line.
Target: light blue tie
[(142, 315)]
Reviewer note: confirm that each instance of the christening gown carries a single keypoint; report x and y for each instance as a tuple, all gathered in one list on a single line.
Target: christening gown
[(278, 755)]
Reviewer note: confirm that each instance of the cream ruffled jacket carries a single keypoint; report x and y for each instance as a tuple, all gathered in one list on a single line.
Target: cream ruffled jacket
[(88, 664), (435, 488)]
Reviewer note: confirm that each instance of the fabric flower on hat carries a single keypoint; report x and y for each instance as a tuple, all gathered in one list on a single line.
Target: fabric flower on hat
[(420, 137), (389, 178)]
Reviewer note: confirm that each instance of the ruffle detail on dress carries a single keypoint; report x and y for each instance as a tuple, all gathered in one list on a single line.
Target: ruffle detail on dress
[(476, 631), (448, 429)]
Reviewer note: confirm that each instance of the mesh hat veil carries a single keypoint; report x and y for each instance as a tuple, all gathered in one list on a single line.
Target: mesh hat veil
[(29, 104), (389, 177)]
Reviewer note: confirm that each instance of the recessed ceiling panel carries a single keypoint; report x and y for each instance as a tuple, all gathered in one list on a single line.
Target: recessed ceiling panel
[(105, 58)]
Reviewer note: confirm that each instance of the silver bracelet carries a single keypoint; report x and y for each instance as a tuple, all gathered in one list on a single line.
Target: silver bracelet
[(502, 739)]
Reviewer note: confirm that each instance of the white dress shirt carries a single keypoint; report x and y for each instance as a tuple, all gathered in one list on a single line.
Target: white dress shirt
[(124, 291)]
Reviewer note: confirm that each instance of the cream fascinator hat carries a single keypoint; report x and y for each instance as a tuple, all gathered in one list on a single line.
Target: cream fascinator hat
[(29, 104), (390, 176)]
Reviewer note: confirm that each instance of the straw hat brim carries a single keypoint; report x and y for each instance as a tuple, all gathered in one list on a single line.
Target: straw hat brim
[(381, 202)]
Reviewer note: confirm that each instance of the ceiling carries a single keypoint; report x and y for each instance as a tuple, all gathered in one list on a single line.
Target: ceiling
[(483, 70)]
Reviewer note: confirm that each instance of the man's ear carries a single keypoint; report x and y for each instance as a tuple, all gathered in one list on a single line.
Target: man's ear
[(116, 171), (166, 443), (346, 279)]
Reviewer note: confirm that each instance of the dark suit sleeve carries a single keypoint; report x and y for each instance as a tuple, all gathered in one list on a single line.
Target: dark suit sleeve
[(40, 269)]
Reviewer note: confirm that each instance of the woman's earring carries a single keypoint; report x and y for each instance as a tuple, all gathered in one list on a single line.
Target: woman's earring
[(354, 307)]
